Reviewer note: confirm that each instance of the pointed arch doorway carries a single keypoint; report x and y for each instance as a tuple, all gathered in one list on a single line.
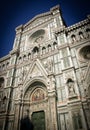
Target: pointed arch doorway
[(41, 104), (37, 97)]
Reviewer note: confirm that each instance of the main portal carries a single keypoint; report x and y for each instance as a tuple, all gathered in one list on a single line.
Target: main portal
[(38, 119)]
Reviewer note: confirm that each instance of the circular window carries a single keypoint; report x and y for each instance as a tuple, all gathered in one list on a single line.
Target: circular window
[(37, 36), (84, 53)]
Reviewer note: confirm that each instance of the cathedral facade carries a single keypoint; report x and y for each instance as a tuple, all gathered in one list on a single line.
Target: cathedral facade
[(46, 75)]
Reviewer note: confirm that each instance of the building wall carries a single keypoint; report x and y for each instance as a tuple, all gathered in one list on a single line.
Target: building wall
[(45, 71)]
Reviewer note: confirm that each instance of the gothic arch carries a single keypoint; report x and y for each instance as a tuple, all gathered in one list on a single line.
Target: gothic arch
[(32, 84)]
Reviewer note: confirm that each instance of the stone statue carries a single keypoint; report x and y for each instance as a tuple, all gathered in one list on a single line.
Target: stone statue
[(70, 84), (71, 89), (22, 75), (50, 65)]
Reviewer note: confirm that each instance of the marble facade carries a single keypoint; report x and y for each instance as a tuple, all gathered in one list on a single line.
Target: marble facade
[(47, 70)]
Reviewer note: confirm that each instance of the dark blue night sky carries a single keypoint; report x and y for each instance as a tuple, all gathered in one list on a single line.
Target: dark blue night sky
[(16, 12)]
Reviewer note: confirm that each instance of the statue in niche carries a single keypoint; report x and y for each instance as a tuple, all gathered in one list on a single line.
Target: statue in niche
[(70, 84), (49, 65), (22, 75), (81, 35), (73, 38), (3, 103)]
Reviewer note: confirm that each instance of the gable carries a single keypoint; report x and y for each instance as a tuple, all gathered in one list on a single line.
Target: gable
[(37, 20), (36, 70)]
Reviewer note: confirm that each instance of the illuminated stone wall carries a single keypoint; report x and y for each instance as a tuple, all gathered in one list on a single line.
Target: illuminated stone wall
[(45, 74)]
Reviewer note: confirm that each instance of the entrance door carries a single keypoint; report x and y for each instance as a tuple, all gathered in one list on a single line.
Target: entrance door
[(38, 119)]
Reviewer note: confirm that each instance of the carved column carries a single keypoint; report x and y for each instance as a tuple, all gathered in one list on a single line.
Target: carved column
[(18, 112), (52, 103)]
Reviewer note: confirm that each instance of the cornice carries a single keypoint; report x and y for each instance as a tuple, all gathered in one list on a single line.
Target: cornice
[(55, 7), (14, 51), (59, 30), (77, 25), (5, 58), (79, 43)]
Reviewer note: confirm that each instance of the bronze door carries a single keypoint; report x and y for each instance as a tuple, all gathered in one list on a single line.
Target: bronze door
[(38, 119)]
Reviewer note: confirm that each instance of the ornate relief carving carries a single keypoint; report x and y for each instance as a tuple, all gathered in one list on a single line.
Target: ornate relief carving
[(48, 64), (36, 72), (22, 75)]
